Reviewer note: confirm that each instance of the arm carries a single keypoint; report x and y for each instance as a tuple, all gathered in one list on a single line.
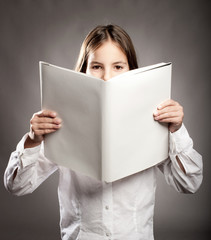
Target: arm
[(28, 167), (183, 169), (188, 178), (171, 112)]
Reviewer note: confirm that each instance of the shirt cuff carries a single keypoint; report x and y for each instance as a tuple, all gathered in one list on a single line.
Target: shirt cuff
[(27, 156), (180, 140)]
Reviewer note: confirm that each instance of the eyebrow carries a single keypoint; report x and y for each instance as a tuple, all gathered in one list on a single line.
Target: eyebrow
[(120, 62), (95, 62)]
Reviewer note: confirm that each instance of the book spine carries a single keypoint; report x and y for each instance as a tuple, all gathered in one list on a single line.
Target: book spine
[(105, 131)]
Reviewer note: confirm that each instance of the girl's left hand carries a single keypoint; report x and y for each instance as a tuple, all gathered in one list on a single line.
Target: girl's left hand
[(170, 112)]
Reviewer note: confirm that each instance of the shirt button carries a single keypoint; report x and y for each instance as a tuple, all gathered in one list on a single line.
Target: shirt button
[(106, 207)]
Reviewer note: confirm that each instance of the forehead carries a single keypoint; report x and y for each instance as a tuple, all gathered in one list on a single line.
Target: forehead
[(108, 51)]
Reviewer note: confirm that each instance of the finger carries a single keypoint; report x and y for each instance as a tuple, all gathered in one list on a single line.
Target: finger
[(47, 113), (39, 120), (166, 110), (44, 132), (41, 129), (46, 120), (167, 115), (174, 120), (166, 103), (43, 126)]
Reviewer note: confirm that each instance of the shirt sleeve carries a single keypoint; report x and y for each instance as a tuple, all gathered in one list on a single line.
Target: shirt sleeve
[(27, 169), (181, 147)]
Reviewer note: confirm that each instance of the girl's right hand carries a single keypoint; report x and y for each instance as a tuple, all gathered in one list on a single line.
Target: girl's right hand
[(42, 123)]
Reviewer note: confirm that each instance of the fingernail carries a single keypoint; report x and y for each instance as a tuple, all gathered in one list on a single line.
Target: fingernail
[(159, 107), (155, 113), (58, 121)]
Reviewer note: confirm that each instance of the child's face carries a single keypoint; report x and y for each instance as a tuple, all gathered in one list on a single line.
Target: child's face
[(107, 61)]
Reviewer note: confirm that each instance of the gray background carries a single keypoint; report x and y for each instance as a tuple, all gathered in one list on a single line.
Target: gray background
[(53, 30)]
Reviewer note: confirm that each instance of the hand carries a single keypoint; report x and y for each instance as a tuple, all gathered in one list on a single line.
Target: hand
[(42, 123), (170, 112)]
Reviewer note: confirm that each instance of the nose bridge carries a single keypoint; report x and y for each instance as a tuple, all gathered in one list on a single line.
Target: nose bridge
[(107, 74)]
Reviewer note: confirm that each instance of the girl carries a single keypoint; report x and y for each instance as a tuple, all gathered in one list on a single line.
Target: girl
[(91, 209)]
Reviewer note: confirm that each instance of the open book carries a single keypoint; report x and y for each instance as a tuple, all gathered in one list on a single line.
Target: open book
[(108, 130)]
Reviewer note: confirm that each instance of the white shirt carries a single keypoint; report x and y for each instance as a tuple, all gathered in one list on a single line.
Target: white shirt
[(94, 210)]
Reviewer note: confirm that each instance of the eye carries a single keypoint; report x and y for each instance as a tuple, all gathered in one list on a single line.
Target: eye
[(96, 67), (118, 67)]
